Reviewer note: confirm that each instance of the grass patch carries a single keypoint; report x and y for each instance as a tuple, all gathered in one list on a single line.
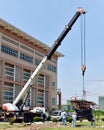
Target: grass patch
[(84, 125), (73, 128), (7, 126), (4, 126), (80, 126)]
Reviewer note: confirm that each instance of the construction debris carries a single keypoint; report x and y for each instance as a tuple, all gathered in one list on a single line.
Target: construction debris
[(40, 125)]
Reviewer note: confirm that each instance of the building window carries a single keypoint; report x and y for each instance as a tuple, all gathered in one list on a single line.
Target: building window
[(51, 68), (8, 92), (8, 95), (9, 51), (53, 101), (41, 80), (40, 98), (9, 71), (37, 62), (10, 41), (26, 57), (39, 54), (53, 84), (54, 61), (26, 75), (27, 104), (26, 48), (101, 103)]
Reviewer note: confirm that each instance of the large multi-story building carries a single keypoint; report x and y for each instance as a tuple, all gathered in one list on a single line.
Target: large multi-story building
[(101, 103), (20, 54)]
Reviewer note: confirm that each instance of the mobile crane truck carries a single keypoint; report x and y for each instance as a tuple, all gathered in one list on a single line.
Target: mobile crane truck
[(15, 105)]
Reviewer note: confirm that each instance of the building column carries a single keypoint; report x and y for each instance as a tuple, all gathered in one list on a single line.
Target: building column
[(59, 100)]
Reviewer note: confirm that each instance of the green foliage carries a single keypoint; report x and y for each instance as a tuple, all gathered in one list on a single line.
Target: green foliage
[(11, 121), (54, 120), (102, 118), (80, 119), (70, 111), (36, 119), (69, 119), (98, 113), (97, 118)]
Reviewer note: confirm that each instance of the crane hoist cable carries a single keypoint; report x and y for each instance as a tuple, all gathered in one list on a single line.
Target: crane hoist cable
[(83, 45), (83, 50)]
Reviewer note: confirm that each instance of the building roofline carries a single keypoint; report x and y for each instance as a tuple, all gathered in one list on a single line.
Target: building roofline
[(26, 36)]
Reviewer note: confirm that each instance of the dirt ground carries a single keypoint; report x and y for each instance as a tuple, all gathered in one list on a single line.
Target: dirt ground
[(37, 126)]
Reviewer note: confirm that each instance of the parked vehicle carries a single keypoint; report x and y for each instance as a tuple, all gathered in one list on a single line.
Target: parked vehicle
[(56, 115)]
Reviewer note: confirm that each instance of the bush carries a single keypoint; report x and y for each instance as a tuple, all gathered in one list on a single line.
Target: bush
[(97, 118), (102, 118), (54, 120), (11, 121), (69, 119), (36, 119), (80, 119)]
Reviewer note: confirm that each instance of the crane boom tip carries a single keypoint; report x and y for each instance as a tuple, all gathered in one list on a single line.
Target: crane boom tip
[(81, 10)]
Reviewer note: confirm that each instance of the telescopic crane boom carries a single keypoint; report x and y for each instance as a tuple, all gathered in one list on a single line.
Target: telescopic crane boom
[(45, 59)]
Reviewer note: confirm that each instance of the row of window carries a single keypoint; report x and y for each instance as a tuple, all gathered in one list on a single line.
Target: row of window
[(24, 57), (9, 50), (39, 54), (8, 95), (14, 53), (10, 41), (24, 47), (43, 81), (16, 43), (51, 68)]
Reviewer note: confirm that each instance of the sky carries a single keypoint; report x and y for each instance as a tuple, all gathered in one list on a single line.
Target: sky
[(45, 20)]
